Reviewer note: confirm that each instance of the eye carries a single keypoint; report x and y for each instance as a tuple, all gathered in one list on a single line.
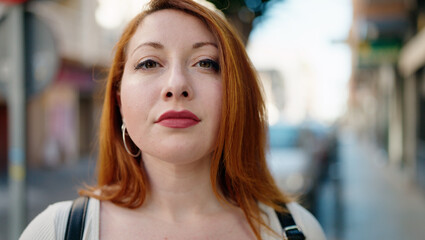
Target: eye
[(147, 64), (209, 64)]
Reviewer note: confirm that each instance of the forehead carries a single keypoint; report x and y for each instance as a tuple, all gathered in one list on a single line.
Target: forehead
[(171, 26)]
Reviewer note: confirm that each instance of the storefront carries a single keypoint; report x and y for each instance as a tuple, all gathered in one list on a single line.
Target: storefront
[(411, 65)]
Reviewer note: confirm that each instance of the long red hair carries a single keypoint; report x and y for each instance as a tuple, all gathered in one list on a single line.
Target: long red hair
[(239, 174)]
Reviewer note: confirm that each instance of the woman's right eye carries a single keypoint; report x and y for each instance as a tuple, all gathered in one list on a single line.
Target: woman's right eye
[(147, 64)]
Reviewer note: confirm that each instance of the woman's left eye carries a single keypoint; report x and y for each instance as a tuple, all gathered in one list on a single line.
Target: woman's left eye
[(209, 64)]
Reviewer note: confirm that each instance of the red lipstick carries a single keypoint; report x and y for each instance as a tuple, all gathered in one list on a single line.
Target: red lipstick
[(178, 119)]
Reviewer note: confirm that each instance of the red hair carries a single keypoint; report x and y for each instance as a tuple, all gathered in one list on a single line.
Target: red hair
[(238, 166)]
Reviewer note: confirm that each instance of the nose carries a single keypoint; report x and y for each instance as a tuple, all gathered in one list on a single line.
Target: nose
[(178, 85)]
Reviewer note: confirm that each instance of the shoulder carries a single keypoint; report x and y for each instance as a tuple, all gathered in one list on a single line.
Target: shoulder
[(51, 223), (306, 221), (47, 224)]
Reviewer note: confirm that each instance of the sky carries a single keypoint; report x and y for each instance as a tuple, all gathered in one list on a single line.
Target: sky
[(305, 41)]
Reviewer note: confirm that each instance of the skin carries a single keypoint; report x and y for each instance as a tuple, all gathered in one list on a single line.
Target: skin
[(172, 65)]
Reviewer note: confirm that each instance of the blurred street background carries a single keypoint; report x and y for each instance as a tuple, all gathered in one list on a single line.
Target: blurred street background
[(344, 82)]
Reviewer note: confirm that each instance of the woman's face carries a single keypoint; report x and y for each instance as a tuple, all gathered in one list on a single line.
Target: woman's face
[(171, 88)]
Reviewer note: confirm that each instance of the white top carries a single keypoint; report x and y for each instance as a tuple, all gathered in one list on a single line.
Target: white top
[(51, 223)]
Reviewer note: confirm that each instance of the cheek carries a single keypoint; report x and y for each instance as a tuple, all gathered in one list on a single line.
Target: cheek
[(216, 109), (216, 99), (136, 100)]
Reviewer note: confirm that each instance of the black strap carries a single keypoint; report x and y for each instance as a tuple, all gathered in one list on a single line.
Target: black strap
[(290, 228), (76, 219)]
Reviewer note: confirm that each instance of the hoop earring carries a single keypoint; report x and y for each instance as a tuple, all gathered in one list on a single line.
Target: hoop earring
[(125, 145)]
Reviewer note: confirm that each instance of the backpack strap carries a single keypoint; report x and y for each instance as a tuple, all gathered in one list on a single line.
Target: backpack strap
[(290, 228), (76, 219)]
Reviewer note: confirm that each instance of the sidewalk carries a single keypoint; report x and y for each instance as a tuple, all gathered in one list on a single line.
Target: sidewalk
[(47, 186), (376, 202)]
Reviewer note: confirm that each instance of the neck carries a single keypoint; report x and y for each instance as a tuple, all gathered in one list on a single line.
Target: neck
[(179, 191)]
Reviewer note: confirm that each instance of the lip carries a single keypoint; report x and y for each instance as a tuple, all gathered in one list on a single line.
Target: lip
[(178, 119)]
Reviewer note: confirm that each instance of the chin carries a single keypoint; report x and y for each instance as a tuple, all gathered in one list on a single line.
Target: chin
[(181, 156)]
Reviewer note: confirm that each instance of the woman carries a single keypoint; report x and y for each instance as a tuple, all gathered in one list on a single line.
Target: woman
[(182, 139)]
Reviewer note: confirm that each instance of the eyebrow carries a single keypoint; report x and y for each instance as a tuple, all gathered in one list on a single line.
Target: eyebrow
[(201, 44), (155, 45)]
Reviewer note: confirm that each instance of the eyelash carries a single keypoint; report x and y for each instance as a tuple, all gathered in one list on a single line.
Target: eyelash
[(214, 65), (144, 65)]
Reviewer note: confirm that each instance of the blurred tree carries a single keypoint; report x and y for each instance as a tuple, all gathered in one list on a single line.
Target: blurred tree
[(242, 13)]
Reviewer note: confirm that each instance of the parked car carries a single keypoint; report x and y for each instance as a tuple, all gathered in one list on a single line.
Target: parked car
[(292, 163)]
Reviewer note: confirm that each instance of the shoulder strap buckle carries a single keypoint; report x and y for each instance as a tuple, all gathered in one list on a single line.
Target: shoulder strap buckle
[(293, 233), (290, 229)]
